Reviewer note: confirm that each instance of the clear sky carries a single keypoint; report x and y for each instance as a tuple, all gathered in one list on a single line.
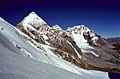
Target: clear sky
[(102, 16)]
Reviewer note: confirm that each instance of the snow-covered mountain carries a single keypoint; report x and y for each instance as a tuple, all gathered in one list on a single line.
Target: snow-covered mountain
[(78, 44), (34, 50), (21, 59)]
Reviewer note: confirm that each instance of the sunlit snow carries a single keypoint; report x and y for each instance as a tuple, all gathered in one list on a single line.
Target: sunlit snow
[(15, 61)]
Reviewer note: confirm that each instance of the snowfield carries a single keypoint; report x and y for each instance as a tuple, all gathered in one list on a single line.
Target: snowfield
[(20, 59)]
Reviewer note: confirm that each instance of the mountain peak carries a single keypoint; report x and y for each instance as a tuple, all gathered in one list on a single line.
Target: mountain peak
[(33, 13), (33, 17), (57, 27), (81, 28), (32, 21)]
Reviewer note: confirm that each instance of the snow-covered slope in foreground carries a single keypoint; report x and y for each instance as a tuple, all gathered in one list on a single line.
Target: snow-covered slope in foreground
[(19, 59)]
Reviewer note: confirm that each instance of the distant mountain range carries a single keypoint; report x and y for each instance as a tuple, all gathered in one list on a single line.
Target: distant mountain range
[(115, 42), (116, 39), (35, 50)]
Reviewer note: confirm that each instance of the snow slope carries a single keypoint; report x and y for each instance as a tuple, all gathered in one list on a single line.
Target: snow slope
[(14, 66), (22, 60)]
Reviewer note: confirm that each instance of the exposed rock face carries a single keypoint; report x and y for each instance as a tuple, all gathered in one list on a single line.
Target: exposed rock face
[(78, 45)]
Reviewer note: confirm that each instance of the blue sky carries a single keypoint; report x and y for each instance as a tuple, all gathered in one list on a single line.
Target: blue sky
[(102, 16)]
